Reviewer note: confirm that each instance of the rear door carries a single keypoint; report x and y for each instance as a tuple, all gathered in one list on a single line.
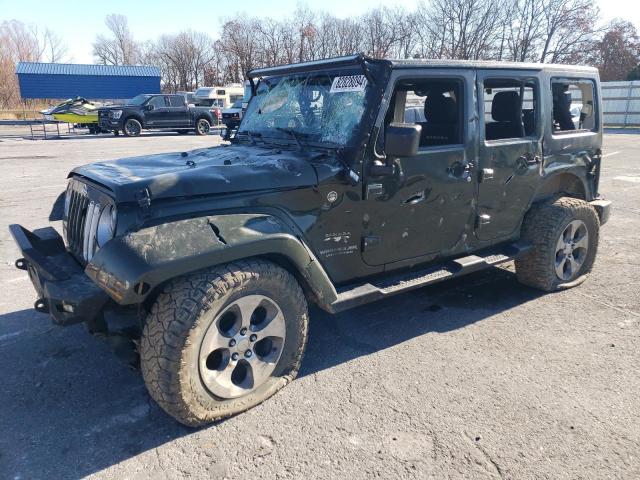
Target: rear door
[(178, 114), (510, 150)]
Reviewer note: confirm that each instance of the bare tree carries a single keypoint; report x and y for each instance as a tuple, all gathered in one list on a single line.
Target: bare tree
[(120, 48), (24, 43), (570, 28)]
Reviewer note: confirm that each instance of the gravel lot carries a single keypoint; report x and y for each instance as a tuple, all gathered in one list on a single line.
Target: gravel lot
[(475, 378)]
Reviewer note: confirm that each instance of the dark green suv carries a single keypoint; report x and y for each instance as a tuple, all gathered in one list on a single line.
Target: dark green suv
[(349, 179)]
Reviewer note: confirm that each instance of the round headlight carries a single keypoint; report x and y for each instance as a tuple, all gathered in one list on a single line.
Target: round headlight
[(106, 225)]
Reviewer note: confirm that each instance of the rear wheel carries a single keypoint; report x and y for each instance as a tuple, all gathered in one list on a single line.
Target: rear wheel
[(564, 238), (219, 342), (202, 126), (116, 132), (132, 127)]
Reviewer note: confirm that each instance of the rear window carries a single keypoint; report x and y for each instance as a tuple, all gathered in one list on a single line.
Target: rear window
[(176, 101), (510, 108)]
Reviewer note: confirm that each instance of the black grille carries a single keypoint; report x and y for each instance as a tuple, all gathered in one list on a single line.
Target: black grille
[(76, 220)]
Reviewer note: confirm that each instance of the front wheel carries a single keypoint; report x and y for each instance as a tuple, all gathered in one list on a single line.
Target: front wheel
[(202, 126), (564, 238), (132, 128), (221, 341)]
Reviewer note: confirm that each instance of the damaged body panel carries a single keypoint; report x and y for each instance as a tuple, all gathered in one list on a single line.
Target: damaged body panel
[(131, 267)]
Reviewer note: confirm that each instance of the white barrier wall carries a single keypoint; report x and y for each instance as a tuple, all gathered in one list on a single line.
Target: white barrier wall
[(621, 104)]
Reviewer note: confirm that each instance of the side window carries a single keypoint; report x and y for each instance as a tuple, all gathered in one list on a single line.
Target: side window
[(176, 101), (510, 109), (158, 102), (574, 106), (435, 104)]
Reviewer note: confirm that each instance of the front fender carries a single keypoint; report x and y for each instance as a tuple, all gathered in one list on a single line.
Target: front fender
[(129, 267)]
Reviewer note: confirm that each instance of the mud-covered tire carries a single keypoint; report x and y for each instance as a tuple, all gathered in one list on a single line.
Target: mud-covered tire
[(175, 329), (132, 127), (542, 227)]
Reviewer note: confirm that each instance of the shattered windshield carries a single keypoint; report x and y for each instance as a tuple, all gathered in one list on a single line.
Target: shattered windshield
[(316, 106)]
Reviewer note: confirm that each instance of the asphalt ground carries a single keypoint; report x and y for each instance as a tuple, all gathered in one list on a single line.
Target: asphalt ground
[(475, 378)]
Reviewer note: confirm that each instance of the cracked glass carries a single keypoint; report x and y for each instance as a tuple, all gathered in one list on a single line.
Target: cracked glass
[(318, 106)]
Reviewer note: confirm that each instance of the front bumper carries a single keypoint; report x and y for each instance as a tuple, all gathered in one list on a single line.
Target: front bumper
[(109, 124), (603, 207), (64, 290)]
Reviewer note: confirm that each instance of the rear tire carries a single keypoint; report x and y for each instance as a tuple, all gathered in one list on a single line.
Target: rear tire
[(132, 127), (193, 342), (564, 238), (202, 126)]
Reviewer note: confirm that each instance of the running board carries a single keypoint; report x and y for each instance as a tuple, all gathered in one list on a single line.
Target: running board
[(358, 294)]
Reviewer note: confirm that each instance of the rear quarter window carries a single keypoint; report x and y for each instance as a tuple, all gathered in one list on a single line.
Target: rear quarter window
[(574, 106)]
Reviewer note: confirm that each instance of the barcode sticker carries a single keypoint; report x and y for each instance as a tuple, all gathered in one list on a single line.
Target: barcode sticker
[(351, 83)]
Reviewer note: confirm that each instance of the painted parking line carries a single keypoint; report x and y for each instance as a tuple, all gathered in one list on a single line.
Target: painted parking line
[(626, 178), (609, 154)]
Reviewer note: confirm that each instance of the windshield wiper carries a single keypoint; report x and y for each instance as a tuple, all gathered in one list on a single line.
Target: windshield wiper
[(251, 135), (293, 134)]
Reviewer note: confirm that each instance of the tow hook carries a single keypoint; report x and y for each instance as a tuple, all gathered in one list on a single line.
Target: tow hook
[(41, 306), (21, 264)]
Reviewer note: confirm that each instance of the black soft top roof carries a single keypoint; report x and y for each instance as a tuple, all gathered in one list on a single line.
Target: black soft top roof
[(361, 59)]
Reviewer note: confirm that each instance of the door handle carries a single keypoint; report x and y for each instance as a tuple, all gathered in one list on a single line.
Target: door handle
[(529, 159)]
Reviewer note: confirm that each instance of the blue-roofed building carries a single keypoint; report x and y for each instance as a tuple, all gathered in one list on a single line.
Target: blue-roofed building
[(98, 82)]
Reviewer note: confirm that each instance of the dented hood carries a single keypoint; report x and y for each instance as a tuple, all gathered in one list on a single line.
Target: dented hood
[(209, 171)]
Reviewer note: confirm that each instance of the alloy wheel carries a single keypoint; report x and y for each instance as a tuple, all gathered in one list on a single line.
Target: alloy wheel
[(571, 250), (242, 346), (203, 127)]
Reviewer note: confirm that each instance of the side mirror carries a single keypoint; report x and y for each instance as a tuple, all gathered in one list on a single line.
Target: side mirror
[(148, 108), (402, 139)]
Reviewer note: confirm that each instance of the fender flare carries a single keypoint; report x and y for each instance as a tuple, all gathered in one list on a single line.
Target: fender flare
[(132, 266), (567, 180)]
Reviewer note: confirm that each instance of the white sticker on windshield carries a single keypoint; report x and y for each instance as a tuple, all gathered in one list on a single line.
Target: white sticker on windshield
[(351, 83)]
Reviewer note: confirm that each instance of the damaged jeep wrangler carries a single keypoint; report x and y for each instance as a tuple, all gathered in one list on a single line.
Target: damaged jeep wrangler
[(350, 179)]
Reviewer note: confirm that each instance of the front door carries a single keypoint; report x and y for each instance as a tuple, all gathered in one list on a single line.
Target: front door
[(510, 150), (426, 207), (157, 117)]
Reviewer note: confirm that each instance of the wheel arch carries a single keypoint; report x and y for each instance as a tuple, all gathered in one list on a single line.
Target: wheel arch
[(135, 267), (135, 116), (563, 183)]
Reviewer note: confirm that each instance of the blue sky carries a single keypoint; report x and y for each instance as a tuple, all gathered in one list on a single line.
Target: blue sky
[(78, 22)]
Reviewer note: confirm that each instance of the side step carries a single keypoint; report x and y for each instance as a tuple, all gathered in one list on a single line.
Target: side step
[(358, 294)]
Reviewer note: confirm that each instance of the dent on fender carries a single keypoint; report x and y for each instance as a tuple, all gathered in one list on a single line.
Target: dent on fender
[(131, 266)]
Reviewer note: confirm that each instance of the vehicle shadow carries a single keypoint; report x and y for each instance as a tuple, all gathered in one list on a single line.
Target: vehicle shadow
[(69, 409)]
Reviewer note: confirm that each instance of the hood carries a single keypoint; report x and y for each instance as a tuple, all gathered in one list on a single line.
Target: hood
[(210, 171)]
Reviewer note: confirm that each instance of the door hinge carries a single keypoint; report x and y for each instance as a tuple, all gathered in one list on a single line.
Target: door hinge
[(370, 241), (486, 174)]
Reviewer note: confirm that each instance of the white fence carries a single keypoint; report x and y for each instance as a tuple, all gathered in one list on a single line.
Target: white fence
[(621, 104)]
